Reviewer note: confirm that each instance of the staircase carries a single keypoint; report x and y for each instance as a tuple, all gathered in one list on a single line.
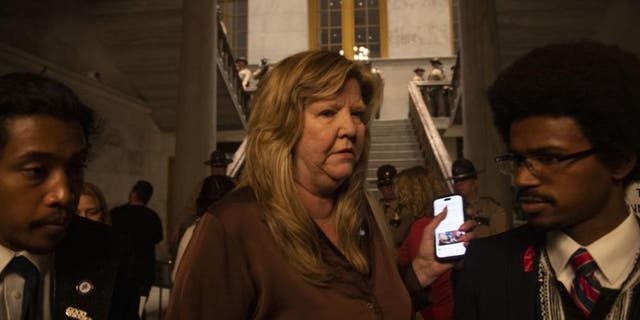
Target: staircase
[(393, 142)]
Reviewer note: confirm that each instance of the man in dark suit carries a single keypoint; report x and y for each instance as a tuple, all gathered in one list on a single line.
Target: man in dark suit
[(569, 114), (53, 264)]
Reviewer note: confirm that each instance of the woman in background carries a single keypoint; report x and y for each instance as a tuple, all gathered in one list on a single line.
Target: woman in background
[(296, 239), (415, 190), (92, 204)]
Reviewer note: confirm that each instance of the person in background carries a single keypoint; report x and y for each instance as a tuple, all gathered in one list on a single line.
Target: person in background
[(143, 227), (92, 204), (398, 224), (436, 95), (486, 211), (437, 72), (209, 194), (262, 70), (416, 188), (243, 72), (418, 74), (296, 238), (53, 264), (217, 163), (571, 127)]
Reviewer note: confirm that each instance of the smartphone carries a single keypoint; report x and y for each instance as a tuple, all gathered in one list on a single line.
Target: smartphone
[(447, 236)]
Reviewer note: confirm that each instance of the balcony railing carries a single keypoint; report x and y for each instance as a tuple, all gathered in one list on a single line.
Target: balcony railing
[(434, 151)]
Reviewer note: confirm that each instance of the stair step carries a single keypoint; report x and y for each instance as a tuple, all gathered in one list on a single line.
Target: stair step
[(398, 163), (400, 129), (390, 123), (401, 146), (395, 154), (393, 139)]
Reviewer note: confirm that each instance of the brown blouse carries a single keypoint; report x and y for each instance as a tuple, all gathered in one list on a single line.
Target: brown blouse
[(232, 269)]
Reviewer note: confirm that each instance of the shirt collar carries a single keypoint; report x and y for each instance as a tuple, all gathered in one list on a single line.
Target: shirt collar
[(613, 252), (41, 261)]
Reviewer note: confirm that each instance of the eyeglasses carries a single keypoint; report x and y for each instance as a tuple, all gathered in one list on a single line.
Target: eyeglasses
[(539, 164)]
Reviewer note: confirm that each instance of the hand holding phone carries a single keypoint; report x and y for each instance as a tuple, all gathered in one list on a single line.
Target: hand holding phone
[(448, 244)]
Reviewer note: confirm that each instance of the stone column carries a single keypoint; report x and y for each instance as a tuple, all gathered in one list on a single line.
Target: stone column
[(479, 59), (196, 111)]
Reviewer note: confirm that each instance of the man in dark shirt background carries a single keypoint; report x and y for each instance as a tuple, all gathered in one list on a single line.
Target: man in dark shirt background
[(144, 229)]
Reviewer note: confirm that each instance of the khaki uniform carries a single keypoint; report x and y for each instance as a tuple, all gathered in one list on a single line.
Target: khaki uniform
[(490, 216), (399, 222)]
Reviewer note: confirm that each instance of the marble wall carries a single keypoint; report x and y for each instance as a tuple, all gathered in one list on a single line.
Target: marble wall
[(419, 28), (277, 29)]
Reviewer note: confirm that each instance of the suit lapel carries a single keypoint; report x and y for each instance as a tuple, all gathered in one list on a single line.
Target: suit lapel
[(84, 277), (522, 285)]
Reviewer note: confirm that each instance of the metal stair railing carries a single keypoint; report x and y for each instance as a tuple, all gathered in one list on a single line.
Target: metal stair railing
[(240, 98), (227, 66), (434, 151)]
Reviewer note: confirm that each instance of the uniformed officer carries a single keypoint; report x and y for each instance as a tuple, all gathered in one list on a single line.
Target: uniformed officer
[(392, 213), (486, 211)]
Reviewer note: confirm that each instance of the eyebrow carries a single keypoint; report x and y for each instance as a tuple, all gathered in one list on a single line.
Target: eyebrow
[(39, 156), (541, 150)]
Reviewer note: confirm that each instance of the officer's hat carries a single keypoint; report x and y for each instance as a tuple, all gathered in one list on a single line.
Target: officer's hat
[(386, 173)]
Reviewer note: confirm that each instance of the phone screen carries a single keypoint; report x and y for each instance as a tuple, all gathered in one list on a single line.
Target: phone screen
[(447, 235)]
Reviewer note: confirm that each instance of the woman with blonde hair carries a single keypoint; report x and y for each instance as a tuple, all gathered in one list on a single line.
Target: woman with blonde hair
[(296, 239), (92, 204), (415, 189)]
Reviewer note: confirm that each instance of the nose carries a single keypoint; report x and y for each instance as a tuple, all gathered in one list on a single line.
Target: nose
[(523, 177), (61, 192), (347, 124)]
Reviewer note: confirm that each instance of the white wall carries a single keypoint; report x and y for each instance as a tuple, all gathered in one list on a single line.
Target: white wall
[(277, 29), (130, 146), (419, 28)]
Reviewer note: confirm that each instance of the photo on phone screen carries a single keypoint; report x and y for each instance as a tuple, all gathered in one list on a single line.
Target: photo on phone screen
[(447, 235)]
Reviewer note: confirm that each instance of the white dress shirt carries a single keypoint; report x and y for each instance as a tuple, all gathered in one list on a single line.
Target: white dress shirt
[(615, 253), (12, 285)]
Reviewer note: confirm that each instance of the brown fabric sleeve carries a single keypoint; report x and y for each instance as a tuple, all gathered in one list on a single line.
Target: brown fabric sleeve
[(420, 296), (213, 279)]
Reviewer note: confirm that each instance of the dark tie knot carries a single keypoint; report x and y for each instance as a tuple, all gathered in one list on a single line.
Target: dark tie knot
[(23, 267), (582, 263)]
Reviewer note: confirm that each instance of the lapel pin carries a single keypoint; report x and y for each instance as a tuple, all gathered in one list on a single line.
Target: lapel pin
[(84, 287)]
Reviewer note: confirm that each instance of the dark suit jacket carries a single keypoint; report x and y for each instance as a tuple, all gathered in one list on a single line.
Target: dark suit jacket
[(92, 254), (494, 284)]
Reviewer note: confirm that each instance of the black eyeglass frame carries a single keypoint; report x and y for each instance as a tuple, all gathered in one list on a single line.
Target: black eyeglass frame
[(519, 159)]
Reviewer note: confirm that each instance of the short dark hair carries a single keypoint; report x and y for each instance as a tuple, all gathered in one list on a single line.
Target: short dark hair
[(27, 94), (143, 190), (595, 84)]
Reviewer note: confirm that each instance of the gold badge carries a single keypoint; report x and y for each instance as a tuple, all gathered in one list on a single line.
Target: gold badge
[(75, 313)]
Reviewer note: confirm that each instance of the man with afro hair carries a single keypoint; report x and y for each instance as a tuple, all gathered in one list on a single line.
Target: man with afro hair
[(570, 115)]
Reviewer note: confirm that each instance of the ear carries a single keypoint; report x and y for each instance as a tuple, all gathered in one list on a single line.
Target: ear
[(623, 165)]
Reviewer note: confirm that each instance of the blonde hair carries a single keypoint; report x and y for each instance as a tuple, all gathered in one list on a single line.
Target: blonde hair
[(275, 127), (92, 190), (415, 189)]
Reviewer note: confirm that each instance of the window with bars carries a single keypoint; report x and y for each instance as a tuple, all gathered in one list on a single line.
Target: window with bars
[(330, 14), (367, 26)]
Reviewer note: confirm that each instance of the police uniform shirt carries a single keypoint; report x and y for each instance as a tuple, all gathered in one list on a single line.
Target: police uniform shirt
[(11, 285)]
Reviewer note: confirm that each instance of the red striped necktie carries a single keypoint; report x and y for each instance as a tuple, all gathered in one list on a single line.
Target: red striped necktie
[(586, 288)]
